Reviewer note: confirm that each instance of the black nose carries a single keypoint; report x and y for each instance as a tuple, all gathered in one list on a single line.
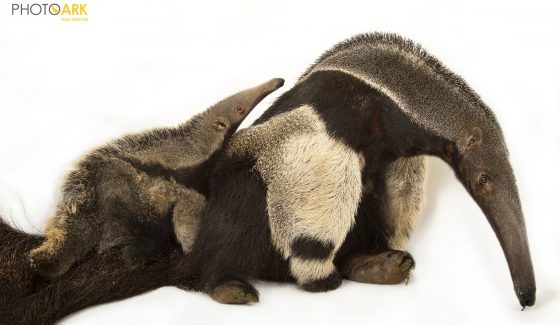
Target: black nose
[(526, 296), (279, 82)]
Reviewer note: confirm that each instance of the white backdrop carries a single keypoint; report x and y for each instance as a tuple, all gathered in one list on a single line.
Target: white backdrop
[(68, 86)]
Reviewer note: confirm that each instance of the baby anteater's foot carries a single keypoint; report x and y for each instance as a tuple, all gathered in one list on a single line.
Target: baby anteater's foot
[(235, 292), (56, 255), (46, 265), (388, 267)]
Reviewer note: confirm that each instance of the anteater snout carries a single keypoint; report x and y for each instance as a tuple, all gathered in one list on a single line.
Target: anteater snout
[(272, 85), (526, 296), (279, 82)]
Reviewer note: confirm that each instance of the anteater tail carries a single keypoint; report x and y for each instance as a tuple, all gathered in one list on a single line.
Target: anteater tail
[(16, 278), (99, 279)]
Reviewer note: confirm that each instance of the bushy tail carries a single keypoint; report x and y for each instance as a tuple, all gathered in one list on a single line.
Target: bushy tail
[(16, 278), (100, 278)]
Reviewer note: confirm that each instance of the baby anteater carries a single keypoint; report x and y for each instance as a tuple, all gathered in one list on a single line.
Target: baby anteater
[(143, 191)]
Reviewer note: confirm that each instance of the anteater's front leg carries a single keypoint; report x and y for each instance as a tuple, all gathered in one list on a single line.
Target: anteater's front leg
[(385, 267), (374, 251), (312, 199)]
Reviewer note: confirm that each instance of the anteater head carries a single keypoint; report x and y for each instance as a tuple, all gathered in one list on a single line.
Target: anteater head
[(227, 115), (482, 165)]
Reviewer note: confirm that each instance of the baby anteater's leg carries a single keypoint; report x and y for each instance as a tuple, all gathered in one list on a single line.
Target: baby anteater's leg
[(186, 217), (66, 241)]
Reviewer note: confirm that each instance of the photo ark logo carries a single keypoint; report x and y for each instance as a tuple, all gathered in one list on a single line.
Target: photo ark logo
[(67, 11)]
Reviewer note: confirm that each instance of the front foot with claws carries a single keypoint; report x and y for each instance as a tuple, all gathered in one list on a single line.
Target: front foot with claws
[(387, 267)]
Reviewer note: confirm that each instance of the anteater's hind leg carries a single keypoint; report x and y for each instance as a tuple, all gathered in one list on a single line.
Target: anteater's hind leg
[(236, 292), (65, 243), (233, 244)]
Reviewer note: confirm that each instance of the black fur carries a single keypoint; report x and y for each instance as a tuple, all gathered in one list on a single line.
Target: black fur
[(240, 236), (16, 278), (100, 278), (331, 282), (311, 248)]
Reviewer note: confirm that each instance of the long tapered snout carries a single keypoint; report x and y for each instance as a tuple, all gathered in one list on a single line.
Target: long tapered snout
[(489, 178), (252, 96), (238, 106), (505, 215)]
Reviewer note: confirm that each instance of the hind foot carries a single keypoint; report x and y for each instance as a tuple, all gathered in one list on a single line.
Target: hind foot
[(389, 267), (235, 292), (46, 265)]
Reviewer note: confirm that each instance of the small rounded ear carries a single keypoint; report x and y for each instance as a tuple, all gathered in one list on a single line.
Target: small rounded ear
[(472, 139), (220, 124)]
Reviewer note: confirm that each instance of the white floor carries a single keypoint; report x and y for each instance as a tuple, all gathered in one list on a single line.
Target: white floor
[(68, 86)]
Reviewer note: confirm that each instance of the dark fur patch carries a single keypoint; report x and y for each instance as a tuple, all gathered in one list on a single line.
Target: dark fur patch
[(331, 282), (99, 278), (311, 248), (195, 177), (234, 238), (376, 124)]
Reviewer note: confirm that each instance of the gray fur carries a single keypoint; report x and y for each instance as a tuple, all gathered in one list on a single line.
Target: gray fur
[(422, 86), (186, 217), (106, 187)]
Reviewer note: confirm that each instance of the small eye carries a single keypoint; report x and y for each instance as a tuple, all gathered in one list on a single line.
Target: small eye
[(240, 110), (483, 180), (219, 125)]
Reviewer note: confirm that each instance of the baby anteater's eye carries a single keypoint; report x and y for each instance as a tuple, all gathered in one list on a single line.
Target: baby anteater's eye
[(483, 180), (219, 125), (240, 110)]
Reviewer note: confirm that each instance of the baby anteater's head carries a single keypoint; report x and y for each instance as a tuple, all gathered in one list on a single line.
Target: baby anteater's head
[(227, 115)]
